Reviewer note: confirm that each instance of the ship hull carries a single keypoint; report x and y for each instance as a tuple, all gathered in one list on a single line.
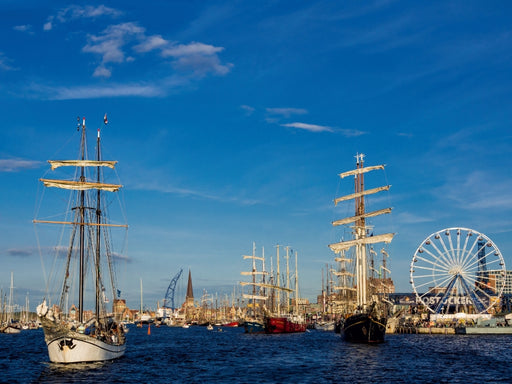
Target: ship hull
[(284, 325), (67, 346), (10, 329), (254, 327), (72, 349), (231, 324), (363, 328)]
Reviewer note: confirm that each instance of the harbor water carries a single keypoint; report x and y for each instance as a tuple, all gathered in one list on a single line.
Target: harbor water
[(228, 355)]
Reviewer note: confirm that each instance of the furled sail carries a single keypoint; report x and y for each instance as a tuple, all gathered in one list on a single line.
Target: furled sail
[(344, 288), (253, 273), (80, 185), (267, 286), (90, 224), (336, 273), (358, 171), (254, 297), (81, 163), (362, 193), (254, 257), (344, 245), (353, 219)]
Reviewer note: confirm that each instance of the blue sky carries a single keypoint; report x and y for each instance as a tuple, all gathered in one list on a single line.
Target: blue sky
[(232, 119)]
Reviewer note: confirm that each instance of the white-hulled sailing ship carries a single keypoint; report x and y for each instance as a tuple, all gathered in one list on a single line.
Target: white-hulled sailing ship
[(367, 322), (88, 272)]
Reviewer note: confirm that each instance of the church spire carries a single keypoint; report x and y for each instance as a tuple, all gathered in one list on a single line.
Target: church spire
[(189, 299)]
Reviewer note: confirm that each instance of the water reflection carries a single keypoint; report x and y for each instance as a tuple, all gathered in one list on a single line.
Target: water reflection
[(71, 373)]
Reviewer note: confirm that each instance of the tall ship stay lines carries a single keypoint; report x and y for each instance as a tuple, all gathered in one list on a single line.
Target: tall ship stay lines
[(72, 333), (361, 283)]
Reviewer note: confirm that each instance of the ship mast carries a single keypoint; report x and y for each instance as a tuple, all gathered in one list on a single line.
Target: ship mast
[(98, 229), (360, 232), (278, 282), (81, 219), (81, 209), (296, 285), (287, 279), (361, 237), (258, 287), (253, 279)]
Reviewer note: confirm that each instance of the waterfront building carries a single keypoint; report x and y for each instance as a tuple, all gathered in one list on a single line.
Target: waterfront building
[(119, 308), (499, 280)]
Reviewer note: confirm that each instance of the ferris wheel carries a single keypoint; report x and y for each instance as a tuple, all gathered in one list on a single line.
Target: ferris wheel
[(458, 269)]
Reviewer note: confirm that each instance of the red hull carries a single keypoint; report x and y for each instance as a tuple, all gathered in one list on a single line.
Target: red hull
[(232, 324), (283, 325)]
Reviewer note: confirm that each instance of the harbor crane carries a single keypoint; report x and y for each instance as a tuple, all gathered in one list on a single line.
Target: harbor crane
[(169, 295)]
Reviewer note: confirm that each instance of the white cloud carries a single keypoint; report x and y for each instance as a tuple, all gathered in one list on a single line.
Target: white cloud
[(78, 12), (200, 65), (411, 218), (93, 92), (309, 127), (15, 165), (248, 109), (23, 28), (102, 71), (4, 63), (191, 49), (126, 42), (75, 12), (48, 26), (186, 192), (110, 42), (151, 43), (351, 132), (197, 57), (287, 112), (475, 196)]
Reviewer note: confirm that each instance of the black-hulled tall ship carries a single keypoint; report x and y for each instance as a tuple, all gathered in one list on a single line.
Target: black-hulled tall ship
[(72, 334), (366, 322)]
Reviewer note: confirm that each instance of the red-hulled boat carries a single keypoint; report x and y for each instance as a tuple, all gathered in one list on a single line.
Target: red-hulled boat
[(231, 324), (285, 324)]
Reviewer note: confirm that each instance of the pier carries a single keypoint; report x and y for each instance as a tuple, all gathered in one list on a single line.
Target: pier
[(425, 330)]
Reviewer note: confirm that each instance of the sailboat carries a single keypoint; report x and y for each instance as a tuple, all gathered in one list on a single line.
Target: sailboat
[(80, 335), (144, 317), (367, 323), (257, 296), (10, 326), (289, 321)]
